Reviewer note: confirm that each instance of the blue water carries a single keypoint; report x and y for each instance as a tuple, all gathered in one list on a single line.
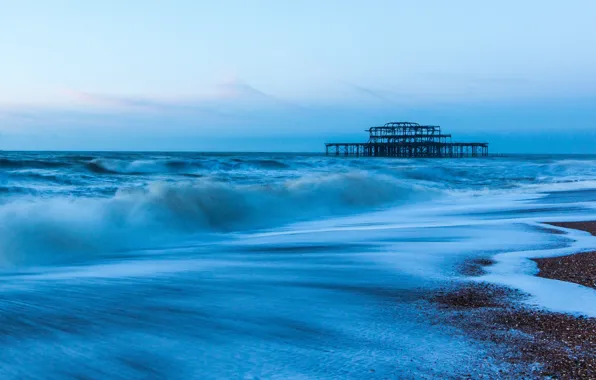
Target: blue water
[(184, 265)]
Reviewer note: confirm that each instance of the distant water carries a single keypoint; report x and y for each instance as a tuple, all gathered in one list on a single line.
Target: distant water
[(184, 265)]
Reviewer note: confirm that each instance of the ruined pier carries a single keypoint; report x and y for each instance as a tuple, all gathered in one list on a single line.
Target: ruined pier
[(406, 139)]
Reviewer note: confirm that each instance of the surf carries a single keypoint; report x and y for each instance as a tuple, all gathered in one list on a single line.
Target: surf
[(59, 229)]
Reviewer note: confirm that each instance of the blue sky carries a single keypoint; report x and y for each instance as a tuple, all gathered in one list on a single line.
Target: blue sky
[(275, 75)]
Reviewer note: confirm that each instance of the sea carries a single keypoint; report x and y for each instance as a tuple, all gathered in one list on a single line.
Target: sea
[(119, 265)]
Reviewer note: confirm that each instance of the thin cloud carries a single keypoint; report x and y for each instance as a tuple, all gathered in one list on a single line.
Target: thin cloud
[(225, 95), (246, 91), (197, 104), (115, 101), (371, 93)]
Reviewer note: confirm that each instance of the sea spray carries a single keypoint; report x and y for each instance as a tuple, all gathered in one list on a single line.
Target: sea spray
[(43, 231)]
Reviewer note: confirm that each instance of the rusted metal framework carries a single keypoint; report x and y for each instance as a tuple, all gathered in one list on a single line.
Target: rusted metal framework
[(406, 139)]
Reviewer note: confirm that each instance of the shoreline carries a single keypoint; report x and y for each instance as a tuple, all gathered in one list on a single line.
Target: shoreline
[(578, 268), (535, 342)]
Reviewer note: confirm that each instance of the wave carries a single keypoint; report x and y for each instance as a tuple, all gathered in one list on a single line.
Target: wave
[(182, 164), (7, 163), (17, 190), (268, 164), (44, 175), (135, 167), (61, 229), (499, 174), (107, 166), (177, 166), (140, 167)]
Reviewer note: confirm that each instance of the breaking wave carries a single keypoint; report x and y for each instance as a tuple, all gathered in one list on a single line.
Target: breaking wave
[(157, 166), (109, 166), (61, 229)]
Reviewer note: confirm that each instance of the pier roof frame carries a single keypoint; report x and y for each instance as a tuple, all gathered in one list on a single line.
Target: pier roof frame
[(403, 129)]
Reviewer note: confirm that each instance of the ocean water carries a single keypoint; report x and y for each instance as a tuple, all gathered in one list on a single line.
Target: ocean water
[(209, 266)]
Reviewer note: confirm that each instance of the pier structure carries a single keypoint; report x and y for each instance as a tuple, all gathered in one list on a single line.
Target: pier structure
[(406, 139)]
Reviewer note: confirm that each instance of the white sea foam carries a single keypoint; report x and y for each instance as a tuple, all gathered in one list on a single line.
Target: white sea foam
[(515, 269)]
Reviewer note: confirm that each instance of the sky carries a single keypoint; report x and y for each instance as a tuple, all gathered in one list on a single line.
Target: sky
[(290, 75)]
